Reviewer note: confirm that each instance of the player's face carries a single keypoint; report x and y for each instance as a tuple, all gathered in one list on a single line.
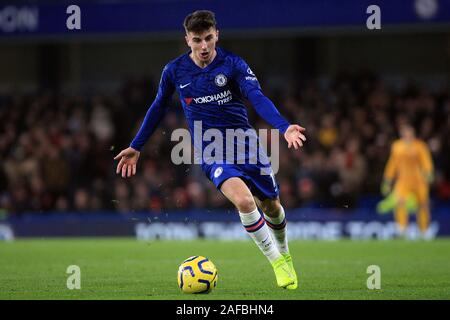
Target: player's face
[(407, 133), (203, 45)]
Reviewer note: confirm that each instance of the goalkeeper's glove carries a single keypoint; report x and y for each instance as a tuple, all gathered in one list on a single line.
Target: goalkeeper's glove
[(430, 178), (386, 187)]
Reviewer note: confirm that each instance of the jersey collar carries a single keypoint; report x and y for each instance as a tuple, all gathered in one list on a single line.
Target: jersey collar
[(209, 66)]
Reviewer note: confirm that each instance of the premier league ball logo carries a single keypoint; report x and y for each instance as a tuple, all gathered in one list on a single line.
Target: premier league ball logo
[(220, 80)]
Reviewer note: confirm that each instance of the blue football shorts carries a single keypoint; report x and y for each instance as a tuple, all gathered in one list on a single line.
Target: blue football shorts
[(263, 186)]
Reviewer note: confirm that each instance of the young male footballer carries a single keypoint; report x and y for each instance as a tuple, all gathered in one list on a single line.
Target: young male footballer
[(410, 165), (212, 85)]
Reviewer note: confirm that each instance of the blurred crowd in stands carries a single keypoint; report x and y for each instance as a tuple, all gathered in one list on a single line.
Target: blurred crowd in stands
[(57, 150)]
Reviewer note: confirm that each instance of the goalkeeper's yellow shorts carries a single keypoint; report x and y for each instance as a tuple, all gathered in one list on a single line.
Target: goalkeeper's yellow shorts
[(419, 190)]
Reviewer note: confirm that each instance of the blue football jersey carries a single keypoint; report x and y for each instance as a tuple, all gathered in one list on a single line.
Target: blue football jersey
[(214, 94), (212, 98)]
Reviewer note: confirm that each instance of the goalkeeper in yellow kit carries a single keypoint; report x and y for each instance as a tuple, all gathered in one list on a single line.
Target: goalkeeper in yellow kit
[(410, 165)]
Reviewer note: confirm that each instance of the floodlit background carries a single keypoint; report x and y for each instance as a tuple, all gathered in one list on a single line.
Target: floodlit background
[(70, 100)]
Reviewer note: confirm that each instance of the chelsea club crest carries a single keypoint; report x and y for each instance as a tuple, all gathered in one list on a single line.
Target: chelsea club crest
[(220, 80)]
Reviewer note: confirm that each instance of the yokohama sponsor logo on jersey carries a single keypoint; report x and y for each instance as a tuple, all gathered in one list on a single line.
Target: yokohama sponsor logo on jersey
[(213, 98)]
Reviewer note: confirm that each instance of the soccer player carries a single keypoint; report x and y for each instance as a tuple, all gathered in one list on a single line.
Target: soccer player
[(410, 164), (212, 85)]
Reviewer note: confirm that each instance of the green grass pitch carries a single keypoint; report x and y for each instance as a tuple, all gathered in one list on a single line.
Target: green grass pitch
[(129, 269)]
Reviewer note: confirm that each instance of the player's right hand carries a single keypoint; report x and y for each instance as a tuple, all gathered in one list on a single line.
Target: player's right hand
[(128, 160)]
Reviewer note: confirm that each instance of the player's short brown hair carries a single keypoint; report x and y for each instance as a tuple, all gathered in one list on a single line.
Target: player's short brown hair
[(199, 21)]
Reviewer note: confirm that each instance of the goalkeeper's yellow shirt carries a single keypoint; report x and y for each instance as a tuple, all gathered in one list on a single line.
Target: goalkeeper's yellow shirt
[(409, 163)]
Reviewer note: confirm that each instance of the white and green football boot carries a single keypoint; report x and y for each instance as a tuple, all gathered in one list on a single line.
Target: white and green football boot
[(283, 273), (287, 257)]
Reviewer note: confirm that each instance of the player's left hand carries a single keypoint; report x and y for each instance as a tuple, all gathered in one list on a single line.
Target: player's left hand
[(294, 136), (386, 187)]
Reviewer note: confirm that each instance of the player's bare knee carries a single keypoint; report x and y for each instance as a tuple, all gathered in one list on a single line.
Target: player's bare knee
[(246, 204), (272, 207)]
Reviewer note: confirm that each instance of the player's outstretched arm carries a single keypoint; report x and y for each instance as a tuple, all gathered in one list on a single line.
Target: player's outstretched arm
[(129, 156), (249, 85), (293, 133), (390, 171), (294, 136), (128, 161)]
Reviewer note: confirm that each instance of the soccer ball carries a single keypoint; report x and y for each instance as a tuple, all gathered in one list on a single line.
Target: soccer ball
[(197, 274)]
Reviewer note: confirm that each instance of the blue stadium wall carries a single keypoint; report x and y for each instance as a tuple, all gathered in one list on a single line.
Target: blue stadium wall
[(48, 18), (323, 224)]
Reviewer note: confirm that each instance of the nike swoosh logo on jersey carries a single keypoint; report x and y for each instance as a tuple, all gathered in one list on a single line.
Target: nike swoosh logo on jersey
[(184, 85)]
